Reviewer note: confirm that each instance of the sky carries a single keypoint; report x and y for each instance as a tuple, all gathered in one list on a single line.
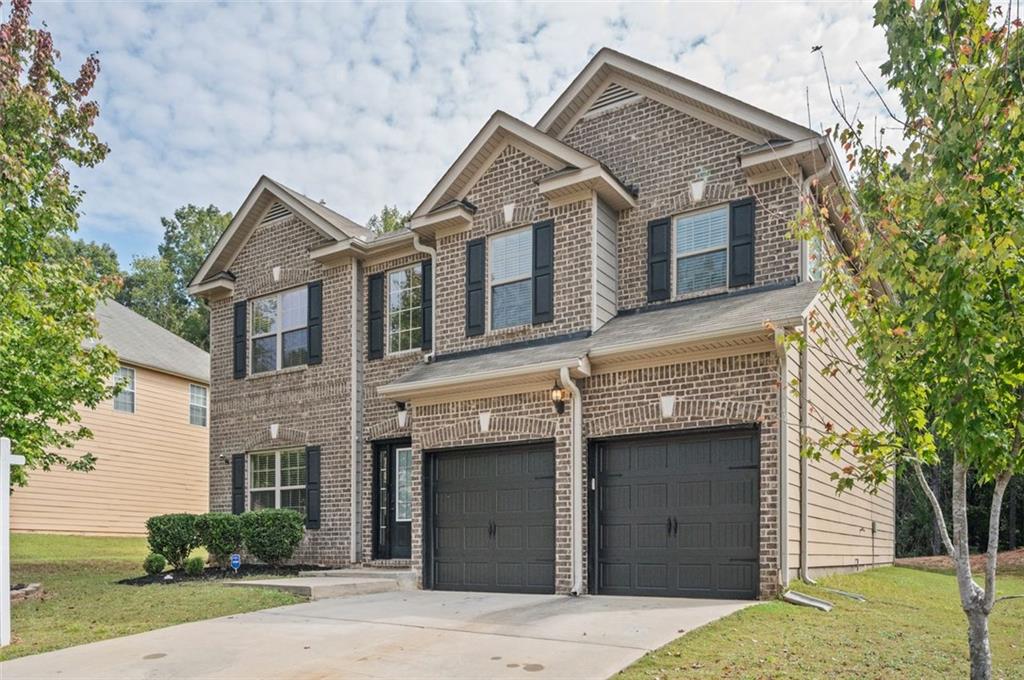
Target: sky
[(363, 105)]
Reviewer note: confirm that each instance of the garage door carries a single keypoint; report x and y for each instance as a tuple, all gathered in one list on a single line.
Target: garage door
[(678, 516), (493, 523)]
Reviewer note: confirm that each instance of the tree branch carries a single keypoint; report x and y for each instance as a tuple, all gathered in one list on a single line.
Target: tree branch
[(936, 508), (991, 555)]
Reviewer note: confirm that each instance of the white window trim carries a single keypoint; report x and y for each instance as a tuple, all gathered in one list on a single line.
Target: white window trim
[(676, 295), (277, 488), (387, 311), (129, 388), (279, 353), (488, 308), (206, 405), (398, 453)]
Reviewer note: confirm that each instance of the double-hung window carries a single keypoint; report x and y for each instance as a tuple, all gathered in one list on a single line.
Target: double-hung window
[(197, 405), (125, 399), (405, 309), (701, 250), (511, 286), (277, 479), (278, 331)]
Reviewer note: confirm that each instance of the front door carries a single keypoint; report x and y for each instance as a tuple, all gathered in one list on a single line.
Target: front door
[(392, 500)]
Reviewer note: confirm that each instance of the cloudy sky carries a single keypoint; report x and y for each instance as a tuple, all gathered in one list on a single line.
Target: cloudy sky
[(367, 104)]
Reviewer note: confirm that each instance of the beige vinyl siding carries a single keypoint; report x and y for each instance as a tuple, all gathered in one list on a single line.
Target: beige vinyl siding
[(606, 263), (148, 463), (839, 527)]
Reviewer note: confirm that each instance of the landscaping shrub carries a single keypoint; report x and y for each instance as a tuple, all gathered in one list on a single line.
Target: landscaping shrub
[(173, 536), (194, 566), (272, 535), (221, 534), (154, 563)]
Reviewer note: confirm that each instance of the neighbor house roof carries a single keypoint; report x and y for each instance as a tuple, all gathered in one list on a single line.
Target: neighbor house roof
[(140, 342), (699, 320)]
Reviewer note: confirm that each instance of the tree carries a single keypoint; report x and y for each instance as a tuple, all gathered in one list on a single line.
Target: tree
[(150, 290), (930, 272), (100, 258), (390, 218), (48, 302)]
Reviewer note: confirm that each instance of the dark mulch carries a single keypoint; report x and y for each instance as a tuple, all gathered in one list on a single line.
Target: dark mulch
[(215, 574)]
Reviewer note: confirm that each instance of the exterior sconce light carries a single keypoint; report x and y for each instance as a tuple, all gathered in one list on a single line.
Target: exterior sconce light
[(273, 431), (697, 186), (403, 413), (559, 395)]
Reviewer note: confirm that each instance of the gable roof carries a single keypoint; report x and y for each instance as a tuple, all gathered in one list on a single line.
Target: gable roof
[(610, 67), (139, 341), (334, 226), (500, 130)]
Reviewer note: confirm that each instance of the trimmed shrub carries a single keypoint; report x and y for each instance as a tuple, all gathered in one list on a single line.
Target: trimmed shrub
[(154, 563), (221, 534), (272, 535), (194, 566), (173, 536)]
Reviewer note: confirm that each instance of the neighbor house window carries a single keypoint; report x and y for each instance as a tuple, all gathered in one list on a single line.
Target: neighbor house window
[(125, 399), (278, 480), (510, 279), (403, 485), (814, 254), (197, 405), (405, 309), (278, 331), (702, 250)]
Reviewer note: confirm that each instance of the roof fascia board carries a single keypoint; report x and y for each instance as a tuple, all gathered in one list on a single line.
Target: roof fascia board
[(798, 148), (604, 353), (216, 286), (579, 364), (222, 241), (593, 178)]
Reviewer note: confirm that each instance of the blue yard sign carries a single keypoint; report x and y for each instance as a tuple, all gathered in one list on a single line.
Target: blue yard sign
[(236, 561)]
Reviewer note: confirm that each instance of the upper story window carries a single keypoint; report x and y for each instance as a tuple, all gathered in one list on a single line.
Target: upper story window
[(405, 309), (701, 250), (511, 288), (278, 480), (197, 405), (125, 399), (278, 331), (814, 253)]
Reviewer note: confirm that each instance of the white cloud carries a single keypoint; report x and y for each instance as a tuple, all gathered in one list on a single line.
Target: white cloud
[(364, 105)]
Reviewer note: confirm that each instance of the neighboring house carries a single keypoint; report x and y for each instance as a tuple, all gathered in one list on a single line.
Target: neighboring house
[(567, 374), (151, 440)]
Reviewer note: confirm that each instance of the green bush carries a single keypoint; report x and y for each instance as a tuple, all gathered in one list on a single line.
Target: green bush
[(194, 566), (154, 563), (221, 534), (272, 535), (173, 536)]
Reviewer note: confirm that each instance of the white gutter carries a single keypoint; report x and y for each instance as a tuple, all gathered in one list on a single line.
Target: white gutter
[(579, 363), (355, 455), (804, 494), (432, 253), (688, 337), (575, 480), (783, 459)]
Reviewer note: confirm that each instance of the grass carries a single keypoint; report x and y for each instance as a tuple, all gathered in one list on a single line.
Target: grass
[(910, 627), (83, 603)]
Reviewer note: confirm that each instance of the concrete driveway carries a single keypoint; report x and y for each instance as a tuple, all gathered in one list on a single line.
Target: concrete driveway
[(406, 634)]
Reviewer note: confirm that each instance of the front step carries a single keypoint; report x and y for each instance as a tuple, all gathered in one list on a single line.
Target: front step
[(404, 579), (322, 587)]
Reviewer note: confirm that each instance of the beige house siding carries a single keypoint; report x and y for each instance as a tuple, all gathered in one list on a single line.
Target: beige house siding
[(148, 463), (606, 263), (856, 528)]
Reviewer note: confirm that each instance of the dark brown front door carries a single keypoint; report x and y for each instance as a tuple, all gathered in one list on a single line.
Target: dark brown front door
[(491, 519), (677, 515), (392, 500)]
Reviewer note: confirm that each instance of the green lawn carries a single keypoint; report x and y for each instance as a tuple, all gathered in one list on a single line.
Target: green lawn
[(910, 627), (83, 603)]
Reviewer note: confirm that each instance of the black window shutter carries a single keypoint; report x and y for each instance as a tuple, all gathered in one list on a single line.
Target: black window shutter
[(427, 303), (741, 242), (543, 271), (312, 487), (240, 340), (314, 312), (375, 317), (475, 294), (659, 271), (238, 483)]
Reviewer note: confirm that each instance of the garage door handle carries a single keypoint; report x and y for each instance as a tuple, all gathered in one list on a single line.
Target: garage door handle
[(668, 526), (675, 527)]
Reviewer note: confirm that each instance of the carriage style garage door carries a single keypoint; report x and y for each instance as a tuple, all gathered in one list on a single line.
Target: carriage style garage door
[(491, 518), (677, 516)]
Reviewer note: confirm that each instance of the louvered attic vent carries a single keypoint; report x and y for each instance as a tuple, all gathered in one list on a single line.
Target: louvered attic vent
[(276, 212), (613, 94)]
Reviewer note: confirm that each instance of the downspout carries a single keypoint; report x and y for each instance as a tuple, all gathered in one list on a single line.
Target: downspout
[(780, 348), (804, 492), (355, 458), (432, 252), (575, 480)]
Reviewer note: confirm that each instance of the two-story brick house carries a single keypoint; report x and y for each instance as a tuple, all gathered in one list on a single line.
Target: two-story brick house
[(567, 374)]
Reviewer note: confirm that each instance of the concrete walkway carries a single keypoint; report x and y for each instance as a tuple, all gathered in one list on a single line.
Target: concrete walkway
[(406, 634)]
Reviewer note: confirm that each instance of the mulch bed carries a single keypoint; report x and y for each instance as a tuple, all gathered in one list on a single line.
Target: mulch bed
[(216, 574), (1009, 560)]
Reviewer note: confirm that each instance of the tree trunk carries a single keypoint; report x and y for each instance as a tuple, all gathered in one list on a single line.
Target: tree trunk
[(935, 481), (1011, 516), (977, 638)]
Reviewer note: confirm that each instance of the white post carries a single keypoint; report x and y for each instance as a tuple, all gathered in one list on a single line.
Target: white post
[(6, 461)]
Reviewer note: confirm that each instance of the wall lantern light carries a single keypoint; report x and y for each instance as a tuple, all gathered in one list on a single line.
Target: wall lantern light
[(403, 413), (559, 395)]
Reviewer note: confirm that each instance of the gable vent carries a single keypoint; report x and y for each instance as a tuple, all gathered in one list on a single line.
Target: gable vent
[(276, 212), (613, 94)]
